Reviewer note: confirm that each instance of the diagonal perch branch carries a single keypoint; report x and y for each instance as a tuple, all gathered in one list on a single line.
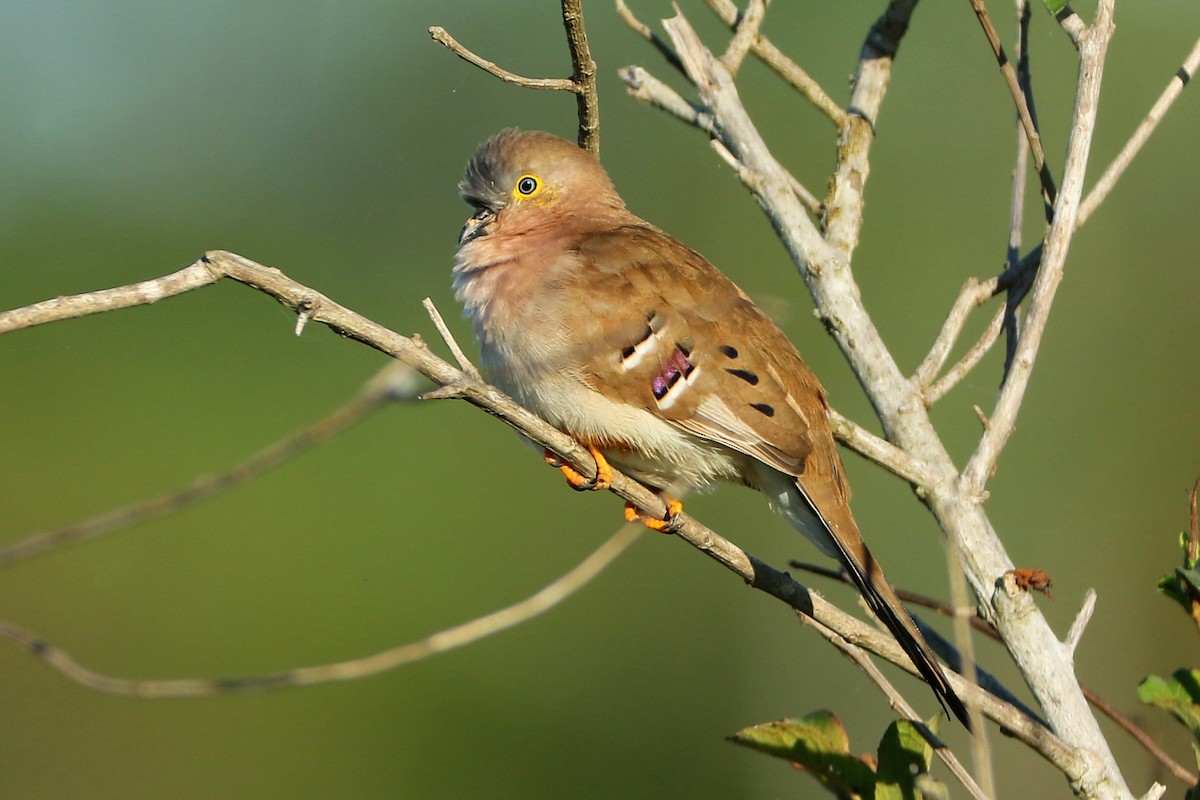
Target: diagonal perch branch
[(217, 265)]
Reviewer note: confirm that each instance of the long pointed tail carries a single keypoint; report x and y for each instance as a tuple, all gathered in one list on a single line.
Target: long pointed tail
[(881, 598)]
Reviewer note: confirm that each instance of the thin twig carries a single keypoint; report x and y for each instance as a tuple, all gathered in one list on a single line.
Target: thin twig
[(1049, 192), (845, 202), (1003, 418), (981, 751), (823, 258), (809, 199), (902, 707), (464, 363), (785, 67), (982, 626), (941, 646), (973, 294), (395, 381), (878, 451), (353, 669), (643, 86), (1080, 623), (1067, 19), (646, 88), (968, 362), (583, 73), (1193, 542), (219, 264), (134, 294), (1141, 737), (443, 38), (1114, 170), (643, 30), (1012, 256), (745, 34), (582, 82)]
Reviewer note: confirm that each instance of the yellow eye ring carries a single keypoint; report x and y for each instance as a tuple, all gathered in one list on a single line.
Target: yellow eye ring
[(528, 185)]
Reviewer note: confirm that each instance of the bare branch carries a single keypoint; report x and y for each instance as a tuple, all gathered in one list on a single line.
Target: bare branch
[(901, 707), (582, 84), (1026, 729), (1114, 170), (464, 363), (846, 200), (1012, 256), (1032, 136), (745, 34), (981, 749), (135, 294), (1058, 239), (1155, 792), (824, 263), (1141, 737), (785, 67), (643, 86), (443, 38), (877, 450), (1075, 633), (973, 294), (1068, 20), (968, 362), (413, 352), (994, 687), (543, 600), (763, 174), (583, 72), (643, 30), (394, 382)]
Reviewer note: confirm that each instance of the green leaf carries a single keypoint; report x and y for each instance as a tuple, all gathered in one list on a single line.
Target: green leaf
[(1055, 7), (903, 755), (1180, 696), (818, 744), (1184, 583), (1190, 576)]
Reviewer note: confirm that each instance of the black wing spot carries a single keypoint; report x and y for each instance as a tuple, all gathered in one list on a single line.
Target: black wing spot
[(745, 374), (766, 409), (730, 352), (627, 353)]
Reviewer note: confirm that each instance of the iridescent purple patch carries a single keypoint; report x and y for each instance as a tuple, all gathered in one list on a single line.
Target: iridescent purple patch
[(677, 366)]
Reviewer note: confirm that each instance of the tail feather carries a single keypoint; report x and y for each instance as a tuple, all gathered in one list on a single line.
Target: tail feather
[(843, 540), (882, 600)]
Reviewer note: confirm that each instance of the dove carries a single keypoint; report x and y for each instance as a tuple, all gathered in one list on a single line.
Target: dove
[(634, 344)]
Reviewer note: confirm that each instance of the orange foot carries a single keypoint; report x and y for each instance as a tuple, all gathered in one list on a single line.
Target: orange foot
[(665, 525), (604, 472)]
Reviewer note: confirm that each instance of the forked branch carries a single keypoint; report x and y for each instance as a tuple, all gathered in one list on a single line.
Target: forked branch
[(582, 82)]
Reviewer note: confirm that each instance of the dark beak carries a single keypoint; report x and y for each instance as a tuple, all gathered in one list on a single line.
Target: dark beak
[(476, 226)]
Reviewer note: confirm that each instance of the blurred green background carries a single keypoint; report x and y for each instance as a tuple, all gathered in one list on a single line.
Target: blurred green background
[(326, 139)]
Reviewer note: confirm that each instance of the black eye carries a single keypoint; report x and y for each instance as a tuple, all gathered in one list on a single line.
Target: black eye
[(527, 185)]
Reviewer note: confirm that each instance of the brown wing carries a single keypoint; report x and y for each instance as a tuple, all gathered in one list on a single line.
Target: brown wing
[(694, 349), (698, 353)]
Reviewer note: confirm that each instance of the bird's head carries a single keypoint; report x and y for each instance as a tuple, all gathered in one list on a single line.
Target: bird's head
[(528, 179)]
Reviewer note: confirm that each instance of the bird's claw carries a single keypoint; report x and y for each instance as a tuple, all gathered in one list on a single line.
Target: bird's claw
[(668, 524), (577, 481)]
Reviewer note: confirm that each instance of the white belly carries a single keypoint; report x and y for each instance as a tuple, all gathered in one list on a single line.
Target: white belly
[(644, 446)]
